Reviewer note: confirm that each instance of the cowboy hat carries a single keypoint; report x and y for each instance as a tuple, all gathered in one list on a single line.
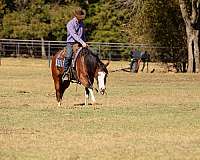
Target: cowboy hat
[(79, 13)]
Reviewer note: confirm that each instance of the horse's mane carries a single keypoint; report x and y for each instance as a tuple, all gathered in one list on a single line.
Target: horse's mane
[(92, 59)]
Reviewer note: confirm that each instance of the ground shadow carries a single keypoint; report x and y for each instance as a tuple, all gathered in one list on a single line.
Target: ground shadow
[(89, 104)]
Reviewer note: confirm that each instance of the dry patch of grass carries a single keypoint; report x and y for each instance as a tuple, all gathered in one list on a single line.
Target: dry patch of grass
[(143, 116)]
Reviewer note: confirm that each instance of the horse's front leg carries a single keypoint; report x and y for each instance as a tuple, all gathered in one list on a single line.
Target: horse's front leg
[(92, 95), (87, 92), (86, 96)]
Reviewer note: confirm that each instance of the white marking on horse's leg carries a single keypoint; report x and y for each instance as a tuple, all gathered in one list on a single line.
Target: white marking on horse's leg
[(86, 98), (59, 104), (92, 95)]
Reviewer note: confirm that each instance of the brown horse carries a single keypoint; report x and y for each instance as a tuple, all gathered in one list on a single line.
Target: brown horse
[(88, 67)]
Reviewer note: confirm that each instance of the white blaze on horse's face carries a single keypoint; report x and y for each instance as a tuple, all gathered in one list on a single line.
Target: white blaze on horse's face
[(101, 81)]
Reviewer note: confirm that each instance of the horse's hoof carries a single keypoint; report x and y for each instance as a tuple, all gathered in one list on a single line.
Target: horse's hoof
[(59, 104)]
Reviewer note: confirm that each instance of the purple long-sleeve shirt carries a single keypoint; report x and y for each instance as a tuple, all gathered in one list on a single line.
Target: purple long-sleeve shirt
[(75, 31)]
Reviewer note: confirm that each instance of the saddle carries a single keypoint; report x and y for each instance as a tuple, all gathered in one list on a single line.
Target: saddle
[(71, 73)]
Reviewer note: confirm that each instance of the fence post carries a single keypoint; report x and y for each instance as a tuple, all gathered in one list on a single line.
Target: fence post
[(109, 56), (49, 54), (18, 49)]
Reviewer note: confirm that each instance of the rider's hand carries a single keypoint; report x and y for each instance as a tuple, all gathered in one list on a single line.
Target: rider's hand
[(84, 45)]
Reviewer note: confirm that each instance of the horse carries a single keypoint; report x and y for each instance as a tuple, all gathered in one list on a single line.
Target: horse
[(88, 67)]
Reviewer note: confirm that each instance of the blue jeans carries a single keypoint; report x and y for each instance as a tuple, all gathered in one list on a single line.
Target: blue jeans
[(68, 57)]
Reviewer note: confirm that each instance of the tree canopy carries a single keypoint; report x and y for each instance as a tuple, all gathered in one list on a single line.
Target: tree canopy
[(137, 21), (149, 22)]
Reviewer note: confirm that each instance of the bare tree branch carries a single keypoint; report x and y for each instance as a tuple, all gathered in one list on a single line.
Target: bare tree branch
[(184, 12), (195, 11)]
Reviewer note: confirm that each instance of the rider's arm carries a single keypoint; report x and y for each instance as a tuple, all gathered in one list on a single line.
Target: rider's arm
[(73, 33)]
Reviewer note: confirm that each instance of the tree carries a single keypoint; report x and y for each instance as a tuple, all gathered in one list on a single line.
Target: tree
[(190, 14), (2, 12), (150, 22), (30, 23), (103, 22), (59, 16), (154, 22), (2, 8)]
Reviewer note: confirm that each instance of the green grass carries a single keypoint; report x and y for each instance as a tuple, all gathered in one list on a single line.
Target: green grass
[(143, 116)]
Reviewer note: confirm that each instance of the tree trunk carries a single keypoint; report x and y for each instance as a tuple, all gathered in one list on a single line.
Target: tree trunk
[(193, 49), (196, 50), (192, 30)]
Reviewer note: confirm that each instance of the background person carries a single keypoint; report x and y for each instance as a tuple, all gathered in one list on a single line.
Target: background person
[(145, 58), (135, 60)]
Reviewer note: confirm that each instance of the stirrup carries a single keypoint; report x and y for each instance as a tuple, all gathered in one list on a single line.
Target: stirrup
[(65, 76)]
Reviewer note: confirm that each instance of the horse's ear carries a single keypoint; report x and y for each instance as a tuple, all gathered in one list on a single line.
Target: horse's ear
[(107, 63)]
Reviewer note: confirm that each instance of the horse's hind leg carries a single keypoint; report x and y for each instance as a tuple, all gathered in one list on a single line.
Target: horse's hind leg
[(64, 86), (58, 91)]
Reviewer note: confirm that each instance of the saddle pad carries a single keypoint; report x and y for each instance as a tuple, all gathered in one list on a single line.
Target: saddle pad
[(59, 62)]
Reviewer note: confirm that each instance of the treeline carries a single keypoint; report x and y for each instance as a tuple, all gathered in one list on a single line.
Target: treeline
[(152, 22)]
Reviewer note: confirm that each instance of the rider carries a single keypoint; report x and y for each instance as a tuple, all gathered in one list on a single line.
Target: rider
[(75, 34)]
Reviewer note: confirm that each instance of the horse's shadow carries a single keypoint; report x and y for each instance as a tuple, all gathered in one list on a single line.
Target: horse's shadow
[(89, 104), (82, 106)]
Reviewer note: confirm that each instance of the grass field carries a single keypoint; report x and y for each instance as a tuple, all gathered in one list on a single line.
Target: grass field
[(144, 116)]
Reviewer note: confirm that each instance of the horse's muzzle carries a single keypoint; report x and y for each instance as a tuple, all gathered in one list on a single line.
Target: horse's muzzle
[(102, 91)]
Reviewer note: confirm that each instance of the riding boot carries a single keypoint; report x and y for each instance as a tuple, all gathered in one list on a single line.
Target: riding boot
[(66, 75)]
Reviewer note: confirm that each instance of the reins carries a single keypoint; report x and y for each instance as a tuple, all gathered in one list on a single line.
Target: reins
[(121, 69)]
